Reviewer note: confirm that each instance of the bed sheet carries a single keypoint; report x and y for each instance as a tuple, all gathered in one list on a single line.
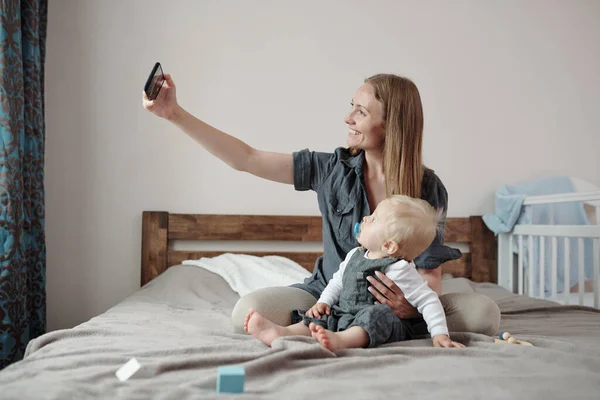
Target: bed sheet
[(178, 327)]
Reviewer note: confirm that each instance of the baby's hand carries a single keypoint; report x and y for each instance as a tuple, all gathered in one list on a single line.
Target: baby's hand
[(318, 309), (444, 341)]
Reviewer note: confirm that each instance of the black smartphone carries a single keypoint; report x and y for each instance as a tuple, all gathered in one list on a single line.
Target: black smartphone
[(154, 82)]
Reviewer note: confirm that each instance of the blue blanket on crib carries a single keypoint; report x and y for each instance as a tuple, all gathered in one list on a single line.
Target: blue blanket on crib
[(510, 211)]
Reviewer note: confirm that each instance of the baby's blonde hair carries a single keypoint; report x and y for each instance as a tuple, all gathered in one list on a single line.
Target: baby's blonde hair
[(413, 224)]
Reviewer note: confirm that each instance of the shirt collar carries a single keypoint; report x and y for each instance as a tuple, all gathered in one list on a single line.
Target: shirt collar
[(357, 162)]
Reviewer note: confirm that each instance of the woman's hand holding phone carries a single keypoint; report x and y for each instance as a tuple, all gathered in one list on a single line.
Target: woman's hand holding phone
[(165, 105)]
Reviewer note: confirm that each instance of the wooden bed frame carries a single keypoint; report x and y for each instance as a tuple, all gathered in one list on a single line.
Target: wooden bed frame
[(160, 229)]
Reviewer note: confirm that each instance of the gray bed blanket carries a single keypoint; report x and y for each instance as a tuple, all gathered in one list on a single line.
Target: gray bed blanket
[(178, 328)]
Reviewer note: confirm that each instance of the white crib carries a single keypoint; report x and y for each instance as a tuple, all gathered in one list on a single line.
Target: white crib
[(531, 256)]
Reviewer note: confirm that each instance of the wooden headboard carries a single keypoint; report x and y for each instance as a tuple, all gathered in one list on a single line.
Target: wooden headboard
[(160, 229)]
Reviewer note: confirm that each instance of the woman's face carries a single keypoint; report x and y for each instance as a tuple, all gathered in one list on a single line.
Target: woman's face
[(365, 120)]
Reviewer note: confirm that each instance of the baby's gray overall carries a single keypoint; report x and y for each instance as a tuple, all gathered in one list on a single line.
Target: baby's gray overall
[(356, 306)]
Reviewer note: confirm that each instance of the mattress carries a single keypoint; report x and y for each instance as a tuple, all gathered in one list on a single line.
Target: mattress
[(178, 328)]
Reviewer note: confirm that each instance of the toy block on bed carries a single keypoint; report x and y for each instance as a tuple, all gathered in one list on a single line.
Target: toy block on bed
[(231, 379)]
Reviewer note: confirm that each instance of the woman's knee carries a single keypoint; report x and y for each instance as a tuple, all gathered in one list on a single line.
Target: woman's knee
[(471, 312), (274, 303)]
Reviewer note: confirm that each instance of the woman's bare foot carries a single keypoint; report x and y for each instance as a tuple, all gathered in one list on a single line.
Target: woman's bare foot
[(328, 339), (261, 328)]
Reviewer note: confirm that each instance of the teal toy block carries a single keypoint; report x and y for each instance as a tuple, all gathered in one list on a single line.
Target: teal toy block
[(231, 379)]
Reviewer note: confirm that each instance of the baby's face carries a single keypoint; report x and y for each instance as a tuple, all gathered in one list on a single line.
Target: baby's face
[(372, 231)]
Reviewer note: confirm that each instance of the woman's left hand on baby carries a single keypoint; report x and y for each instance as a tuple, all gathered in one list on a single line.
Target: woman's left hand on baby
[(445, 341), (390, 294)]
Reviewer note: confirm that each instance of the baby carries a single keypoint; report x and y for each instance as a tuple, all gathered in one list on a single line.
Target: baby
[(346, 315)]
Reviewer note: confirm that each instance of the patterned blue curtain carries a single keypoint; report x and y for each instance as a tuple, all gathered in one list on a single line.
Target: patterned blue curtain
[(22, 241)]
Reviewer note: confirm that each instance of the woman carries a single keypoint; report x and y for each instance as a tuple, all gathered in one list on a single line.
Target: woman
[(383, 157)]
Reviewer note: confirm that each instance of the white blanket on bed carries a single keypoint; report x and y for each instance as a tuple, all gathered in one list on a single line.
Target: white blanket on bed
[(246, 273)]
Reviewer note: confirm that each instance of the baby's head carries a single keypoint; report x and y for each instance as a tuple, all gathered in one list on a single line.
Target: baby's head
[(400, 227)]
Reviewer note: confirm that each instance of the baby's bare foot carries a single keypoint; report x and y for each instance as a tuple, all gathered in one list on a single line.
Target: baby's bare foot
[(261, 328), (328, 339), (250, 313)]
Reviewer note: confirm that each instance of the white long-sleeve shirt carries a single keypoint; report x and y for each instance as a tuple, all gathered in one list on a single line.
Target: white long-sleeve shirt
[(413, 285)]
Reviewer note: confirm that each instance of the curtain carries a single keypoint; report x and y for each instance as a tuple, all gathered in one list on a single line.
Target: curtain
[(22, 241)]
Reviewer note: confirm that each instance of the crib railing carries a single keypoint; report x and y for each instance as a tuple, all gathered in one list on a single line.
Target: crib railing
[(532, 280)]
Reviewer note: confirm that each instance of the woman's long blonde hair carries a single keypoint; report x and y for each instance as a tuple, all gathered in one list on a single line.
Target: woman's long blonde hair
[(403, 124)]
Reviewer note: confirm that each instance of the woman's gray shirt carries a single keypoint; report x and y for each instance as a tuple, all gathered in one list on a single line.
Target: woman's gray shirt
[(342, 196)]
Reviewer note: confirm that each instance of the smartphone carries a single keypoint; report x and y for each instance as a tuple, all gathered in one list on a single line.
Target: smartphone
[(154, 82)]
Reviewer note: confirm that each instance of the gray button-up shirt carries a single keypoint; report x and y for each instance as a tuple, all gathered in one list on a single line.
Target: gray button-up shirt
[(338, 180)]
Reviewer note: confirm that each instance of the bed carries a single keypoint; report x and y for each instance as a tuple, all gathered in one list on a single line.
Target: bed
[(178, 327)]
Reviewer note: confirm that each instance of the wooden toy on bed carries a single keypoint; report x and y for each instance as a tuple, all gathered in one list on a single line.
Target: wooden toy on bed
[(505, 337)]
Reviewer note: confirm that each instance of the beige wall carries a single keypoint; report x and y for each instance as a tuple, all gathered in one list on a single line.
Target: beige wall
[(511, 92)]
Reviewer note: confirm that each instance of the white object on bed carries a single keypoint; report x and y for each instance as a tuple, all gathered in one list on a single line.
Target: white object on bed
[(245, 273), (128, 369)]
